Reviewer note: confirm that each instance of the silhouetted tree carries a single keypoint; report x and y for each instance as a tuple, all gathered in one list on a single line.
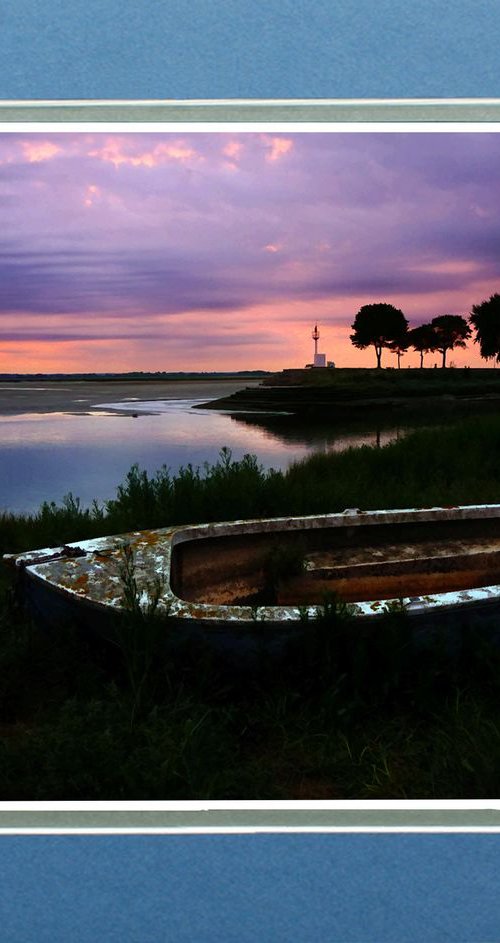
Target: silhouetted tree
[(451, 331), (399, 347), (378, 324), (485, 318), (423, 340)]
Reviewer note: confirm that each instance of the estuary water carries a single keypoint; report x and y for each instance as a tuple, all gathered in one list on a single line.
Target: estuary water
[(83, 436)]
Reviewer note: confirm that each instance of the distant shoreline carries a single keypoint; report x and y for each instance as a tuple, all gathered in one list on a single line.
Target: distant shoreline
[(132, 377)]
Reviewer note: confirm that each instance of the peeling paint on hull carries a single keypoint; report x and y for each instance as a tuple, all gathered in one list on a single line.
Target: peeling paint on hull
[(84, 578)]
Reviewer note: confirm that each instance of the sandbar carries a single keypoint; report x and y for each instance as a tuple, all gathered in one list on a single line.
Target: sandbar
[(79, 397)]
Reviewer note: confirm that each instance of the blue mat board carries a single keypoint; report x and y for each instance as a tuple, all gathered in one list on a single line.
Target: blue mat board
[(238, 49), (340, 888)]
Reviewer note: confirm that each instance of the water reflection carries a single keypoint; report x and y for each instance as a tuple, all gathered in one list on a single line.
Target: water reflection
[(321, 435), (44, 455)]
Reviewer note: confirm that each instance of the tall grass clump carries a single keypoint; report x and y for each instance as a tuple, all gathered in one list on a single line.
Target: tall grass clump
[(225, 490)]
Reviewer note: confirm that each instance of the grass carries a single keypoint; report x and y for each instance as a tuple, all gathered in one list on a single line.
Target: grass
[(355, 383), (321, 727), (82, 719)]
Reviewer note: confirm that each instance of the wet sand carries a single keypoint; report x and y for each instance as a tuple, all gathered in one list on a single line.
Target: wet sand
[(79, 397)]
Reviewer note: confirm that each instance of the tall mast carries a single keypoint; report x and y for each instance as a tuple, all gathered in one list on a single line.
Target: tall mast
[(315, 337)]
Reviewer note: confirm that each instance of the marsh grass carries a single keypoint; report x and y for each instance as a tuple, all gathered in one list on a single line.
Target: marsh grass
[(446, 465), (141, 634), (143, 719), (334, 720)]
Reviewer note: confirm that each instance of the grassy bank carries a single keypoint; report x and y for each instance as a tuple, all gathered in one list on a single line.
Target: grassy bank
[(337, 721), (340, 392), (366, 382)]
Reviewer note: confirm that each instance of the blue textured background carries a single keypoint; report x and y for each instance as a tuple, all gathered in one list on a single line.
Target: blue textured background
[(248, 48), (242, 889)]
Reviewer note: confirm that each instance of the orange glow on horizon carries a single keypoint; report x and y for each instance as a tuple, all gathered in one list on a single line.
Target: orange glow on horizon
[(282, 339)]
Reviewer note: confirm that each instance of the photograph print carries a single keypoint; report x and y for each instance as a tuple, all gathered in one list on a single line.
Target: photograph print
[(250, 464)]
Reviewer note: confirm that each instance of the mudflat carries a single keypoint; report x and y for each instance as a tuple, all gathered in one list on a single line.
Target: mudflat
[(79, 397)]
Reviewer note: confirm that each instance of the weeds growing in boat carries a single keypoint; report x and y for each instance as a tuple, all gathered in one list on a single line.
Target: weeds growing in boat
[(280, 565), (140, 632)]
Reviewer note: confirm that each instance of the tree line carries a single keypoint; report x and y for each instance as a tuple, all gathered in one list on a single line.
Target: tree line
[(382, 326)]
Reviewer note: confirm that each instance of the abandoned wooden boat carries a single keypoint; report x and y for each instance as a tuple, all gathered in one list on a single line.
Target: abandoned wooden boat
[(248, 584)]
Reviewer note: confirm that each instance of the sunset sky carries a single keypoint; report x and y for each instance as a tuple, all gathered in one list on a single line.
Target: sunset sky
[(220, 250)]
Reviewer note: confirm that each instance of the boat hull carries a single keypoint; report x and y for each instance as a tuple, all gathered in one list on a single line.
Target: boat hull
[(84, 582)]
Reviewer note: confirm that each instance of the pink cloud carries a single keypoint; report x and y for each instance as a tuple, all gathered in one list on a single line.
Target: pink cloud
[(232, 149), (37, 151), (448, 267), (276, 147), (115, 151), (91, 193)]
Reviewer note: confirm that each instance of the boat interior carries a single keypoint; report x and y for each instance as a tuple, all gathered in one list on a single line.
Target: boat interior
[(355, 563)]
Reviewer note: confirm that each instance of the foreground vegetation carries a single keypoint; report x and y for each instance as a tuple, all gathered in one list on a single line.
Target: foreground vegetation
[(83, 719), (336, 721)]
